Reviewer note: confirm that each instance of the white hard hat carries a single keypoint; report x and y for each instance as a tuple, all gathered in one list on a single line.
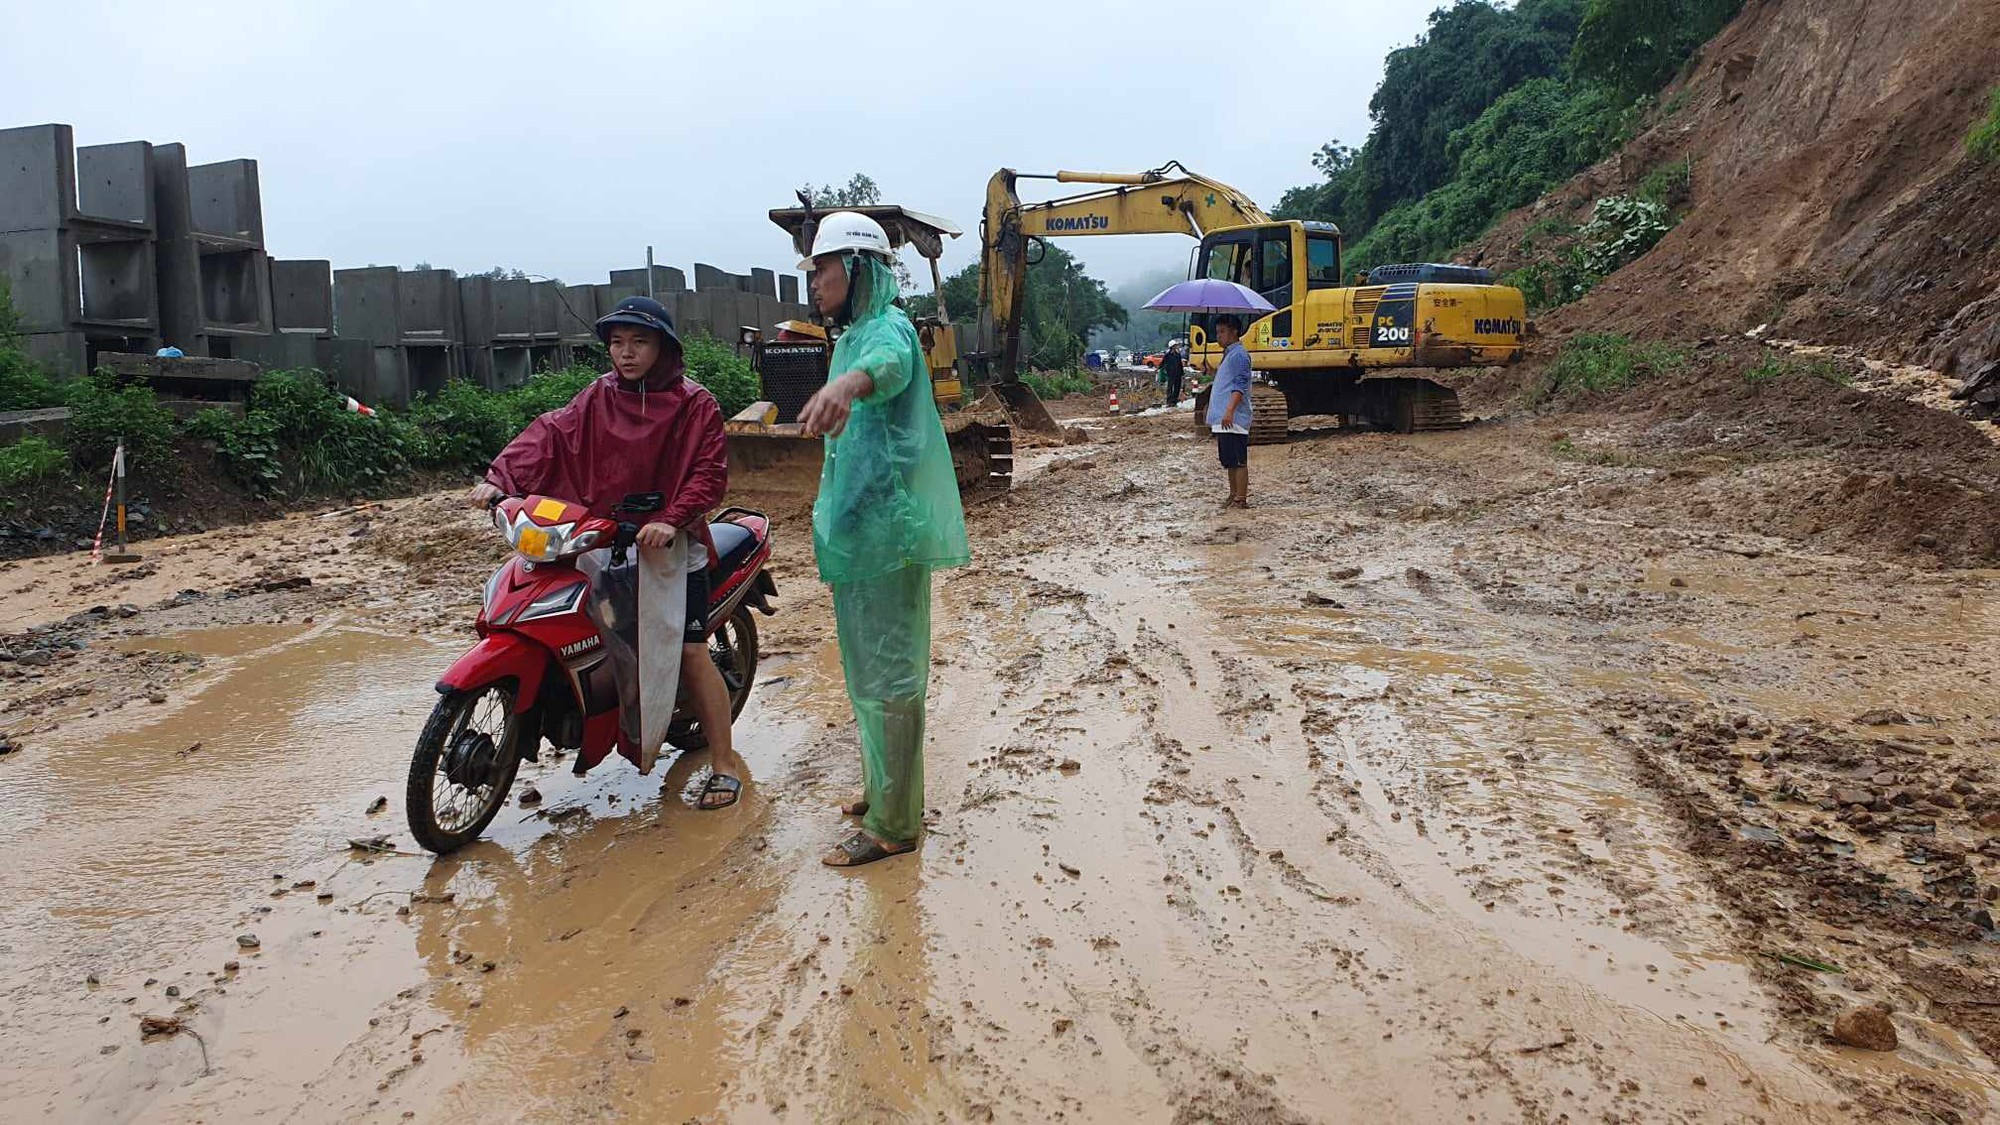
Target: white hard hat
[(846, 230)]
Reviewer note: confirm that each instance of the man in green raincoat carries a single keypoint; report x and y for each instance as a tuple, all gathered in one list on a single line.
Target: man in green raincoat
[(887, 515)]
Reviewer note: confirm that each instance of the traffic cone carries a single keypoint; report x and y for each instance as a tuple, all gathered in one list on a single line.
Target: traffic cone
[(354, 407), (1114, 400)]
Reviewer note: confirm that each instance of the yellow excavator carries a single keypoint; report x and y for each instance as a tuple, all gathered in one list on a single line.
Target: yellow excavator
[(1327, 335), (767, 447)]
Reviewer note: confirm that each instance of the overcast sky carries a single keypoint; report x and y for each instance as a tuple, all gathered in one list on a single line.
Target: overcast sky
[(560, 138)]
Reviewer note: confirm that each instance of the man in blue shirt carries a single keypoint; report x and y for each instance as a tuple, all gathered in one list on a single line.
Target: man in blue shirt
[(1229, 409)]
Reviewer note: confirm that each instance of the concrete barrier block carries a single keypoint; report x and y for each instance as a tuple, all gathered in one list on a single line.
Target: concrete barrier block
[(40, 268), (224, 199), (115, 181), (365, 305), (37, 177), (302, 294)]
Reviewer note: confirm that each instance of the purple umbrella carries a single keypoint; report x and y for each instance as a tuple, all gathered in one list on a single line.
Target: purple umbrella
[(1209, 295)]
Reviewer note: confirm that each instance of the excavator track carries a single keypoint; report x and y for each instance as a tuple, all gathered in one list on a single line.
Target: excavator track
[(1270, 415), (982, 452), (1428, 407)]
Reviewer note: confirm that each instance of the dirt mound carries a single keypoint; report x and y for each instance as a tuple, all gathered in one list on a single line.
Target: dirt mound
[(1846, 466), (1832, 195)]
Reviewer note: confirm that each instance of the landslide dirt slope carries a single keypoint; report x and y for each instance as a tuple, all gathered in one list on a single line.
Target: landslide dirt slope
[(1832, 197)]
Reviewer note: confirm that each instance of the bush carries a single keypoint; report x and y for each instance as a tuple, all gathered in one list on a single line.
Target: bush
[(1621, 228), (1052, 385), (31, 458), (23, 385), (296, 436), (102, 412), (1669, 184), (1984, 140), (727, 376), (1607, 362)]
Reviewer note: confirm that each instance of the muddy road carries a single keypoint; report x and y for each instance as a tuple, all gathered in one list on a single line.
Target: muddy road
[(1466, 777)]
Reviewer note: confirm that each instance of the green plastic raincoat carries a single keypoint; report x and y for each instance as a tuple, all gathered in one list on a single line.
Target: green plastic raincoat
[(887, 515)]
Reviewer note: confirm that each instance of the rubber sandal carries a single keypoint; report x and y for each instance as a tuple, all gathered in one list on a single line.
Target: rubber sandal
[(861, 848), (718, 783)]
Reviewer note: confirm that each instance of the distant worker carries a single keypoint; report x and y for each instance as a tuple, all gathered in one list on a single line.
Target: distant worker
[(888, 515), (1229, 409), (1171, 370), (170, 352)]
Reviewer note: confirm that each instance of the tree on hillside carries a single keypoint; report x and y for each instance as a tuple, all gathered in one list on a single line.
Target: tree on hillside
[(1634, 47)]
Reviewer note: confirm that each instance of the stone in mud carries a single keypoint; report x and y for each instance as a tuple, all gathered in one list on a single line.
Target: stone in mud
[(377, 805), (1867, 1027), (1318, 599), (530, 796), (156, 697), (1881, 717), (1346, 572), (1846, 797), (247, 941), (7, 745)]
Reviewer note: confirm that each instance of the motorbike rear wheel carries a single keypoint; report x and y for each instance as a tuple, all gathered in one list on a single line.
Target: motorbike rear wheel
[(463, 767)]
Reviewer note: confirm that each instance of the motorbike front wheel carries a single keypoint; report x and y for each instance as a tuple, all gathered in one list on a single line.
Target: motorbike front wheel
[(464, 765)]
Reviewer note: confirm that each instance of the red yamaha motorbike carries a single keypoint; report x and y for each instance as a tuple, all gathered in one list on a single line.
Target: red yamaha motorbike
[(540, 673)]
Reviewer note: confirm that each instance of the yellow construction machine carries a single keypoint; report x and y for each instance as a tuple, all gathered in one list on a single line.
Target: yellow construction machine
[(768, 449), (1328, 335)]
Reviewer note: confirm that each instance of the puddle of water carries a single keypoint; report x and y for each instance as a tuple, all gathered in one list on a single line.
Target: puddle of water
[(232, 641)]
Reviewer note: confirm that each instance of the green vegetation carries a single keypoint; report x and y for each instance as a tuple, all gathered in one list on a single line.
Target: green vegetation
[(295, 436), (1490, 108), (1608, 362), (1052, 385), (103, 411), (1818, 367), (30, 458), (1060, 309), (1984, 140), (23, 385)]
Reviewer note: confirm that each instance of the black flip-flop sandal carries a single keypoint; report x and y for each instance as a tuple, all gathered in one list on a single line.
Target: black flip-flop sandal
[(861, 849), (718, 783)]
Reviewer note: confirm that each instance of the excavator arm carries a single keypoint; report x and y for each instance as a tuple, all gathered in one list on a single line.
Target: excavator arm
[(1167, 200)]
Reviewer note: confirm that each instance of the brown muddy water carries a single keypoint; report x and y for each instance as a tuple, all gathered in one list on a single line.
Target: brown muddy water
[(1286, 816)]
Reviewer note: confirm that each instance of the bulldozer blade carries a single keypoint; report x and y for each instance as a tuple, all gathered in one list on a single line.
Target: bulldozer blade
[(1025, 408), (775, 458)]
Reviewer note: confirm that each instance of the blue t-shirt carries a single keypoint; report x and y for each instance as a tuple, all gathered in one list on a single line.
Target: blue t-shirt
[(1231, 376)]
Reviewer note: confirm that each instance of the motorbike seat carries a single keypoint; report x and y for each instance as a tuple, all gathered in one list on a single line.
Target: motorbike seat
[(734, 544)]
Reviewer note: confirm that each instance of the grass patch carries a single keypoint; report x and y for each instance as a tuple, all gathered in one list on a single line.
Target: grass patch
[(1669, 184), (29, 459), (1984, 140), (1608, 362), (1817, 367)]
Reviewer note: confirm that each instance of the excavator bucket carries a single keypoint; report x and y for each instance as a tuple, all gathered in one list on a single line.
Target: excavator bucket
[(1025, 407)]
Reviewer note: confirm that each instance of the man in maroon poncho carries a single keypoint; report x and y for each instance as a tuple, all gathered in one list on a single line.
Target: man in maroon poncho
[(643, 427)]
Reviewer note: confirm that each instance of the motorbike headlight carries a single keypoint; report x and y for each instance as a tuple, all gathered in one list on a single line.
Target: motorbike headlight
[(536, 543)]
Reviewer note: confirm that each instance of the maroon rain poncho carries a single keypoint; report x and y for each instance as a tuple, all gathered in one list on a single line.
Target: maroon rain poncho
[(660, 434)]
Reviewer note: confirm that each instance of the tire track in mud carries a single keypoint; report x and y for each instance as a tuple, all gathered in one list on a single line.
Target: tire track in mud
[(1257, 769)]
